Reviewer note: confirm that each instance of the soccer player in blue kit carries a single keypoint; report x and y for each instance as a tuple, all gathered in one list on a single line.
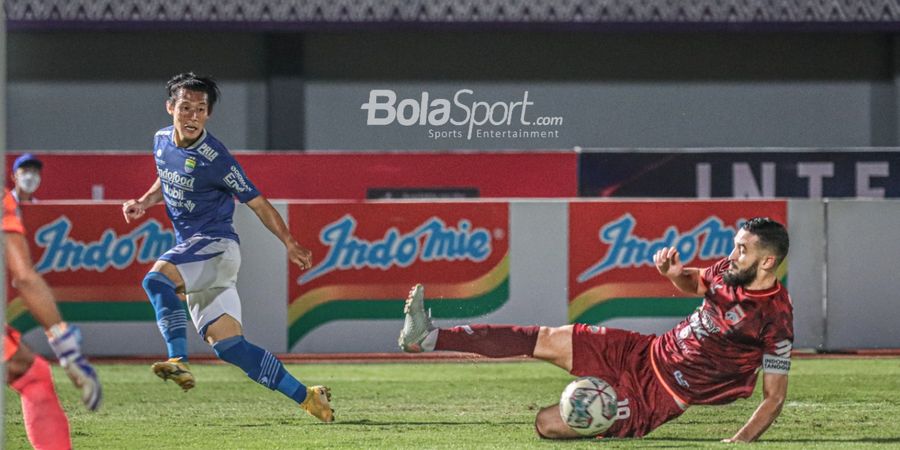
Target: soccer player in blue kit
[(198, 179)]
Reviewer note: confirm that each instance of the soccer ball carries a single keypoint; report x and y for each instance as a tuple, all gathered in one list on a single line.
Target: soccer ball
[(588, 406)]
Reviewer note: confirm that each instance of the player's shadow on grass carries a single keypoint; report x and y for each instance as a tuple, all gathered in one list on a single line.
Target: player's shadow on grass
[(887, 440), (367, 422)]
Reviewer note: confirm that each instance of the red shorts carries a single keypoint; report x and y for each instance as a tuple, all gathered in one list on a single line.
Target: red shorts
[(11, 342), (622, 359)]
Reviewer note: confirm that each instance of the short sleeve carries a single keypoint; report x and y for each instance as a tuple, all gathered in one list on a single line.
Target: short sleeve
[(233, 179), (11, 221), (710, 273), (778, 339)]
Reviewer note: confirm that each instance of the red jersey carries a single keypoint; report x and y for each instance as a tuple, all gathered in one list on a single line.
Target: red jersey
[(712, 357), (11, 221)]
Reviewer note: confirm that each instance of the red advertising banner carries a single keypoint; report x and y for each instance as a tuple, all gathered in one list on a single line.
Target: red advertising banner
[(611, 247), (329, 175), (368, 255), (92, 259)]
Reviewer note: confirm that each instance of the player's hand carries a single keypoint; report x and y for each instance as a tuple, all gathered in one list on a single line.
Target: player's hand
[(84, 377), (668, 263), (65, 341), (132, 209), (299, 255)]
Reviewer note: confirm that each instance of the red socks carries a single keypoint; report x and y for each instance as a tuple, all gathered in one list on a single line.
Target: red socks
[(45, 421), (495, 341)]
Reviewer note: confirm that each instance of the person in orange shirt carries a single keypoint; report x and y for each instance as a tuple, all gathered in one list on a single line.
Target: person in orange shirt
[(29, 374)]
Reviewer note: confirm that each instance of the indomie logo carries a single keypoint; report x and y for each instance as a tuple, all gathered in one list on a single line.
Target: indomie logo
[(627, 250), (66, 254), (432, 241)]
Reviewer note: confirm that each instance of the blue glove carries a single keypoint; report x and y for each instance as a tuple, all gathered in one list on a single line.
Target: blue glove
[(65, 340)]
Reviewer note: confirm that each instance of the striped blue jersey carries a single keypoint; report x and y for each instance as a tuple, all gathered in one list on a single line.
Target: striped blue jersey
[(199, 184)]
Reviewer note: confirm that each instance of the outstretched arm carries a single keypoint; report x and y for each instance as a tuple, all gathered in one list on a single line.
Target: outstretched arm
[(134, 209), (686, 279), (774, 393), (36, 295), (268, 215)]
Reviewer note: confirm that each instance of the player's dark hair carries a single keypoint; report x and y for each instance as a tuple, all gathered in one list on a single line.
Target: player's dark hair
[(772, 235), (192, 82)]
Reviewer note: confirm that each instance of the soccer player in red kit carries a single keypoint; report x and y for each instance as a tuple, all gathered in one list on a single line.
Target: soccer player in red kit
[(712, 357), (28, 374)]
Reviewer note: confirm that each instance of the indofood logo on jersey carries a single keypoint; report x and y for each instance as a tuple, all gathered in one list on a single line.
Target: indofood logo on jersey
[(611, 248), (464, 115), (185, 182), (367, 256), (93, 260)]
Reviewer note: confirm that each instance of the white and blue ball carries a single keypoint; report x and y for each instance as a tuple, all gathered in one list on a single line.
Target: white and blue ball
[(588, 405)]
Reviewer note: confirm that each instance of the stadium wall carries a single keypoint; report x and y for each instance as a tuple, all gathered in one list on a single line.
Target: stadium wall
[(300, 91), (618, 173), (329, 175), (521, 261)]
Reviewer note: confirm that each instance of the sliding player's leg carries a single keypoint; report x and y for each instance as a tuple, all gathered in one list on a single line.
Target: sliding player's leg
[(548, 424), (553, 345), (622, 358)]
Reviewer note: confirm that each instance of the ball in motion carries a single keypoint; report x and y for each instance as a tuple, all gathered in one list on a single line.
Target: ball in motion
[(588, 405)]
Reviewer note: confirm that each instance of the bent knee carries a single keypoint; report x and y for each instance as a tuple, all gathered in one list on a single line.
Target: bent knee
[(554, 345), (222, 328), (549, 425)]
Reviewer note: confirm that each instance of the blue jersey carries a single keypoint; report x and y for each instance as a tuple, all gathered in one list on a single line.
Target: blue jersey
[(199, 184)]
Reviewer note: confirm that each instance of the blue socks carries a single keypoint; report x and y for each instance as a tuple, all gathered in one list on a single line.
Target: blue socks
[(260, 365), (171, 316)]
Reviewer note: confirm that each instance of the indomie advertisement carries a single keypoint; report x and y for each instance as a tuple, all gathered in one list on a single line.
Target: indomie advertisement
[(93, 260), (366, 256), (611, 248)]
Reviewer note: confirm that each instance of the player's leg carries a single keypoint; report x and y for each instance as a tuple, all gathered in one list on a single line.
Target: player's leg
[(549, 424), (496, 341), (162, 285), (226, 337), (192, 264), (215, 308), (45, 422)]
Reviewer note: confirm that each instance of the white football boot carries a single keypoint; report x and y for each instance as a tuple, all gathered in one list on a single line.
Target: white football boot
[(417, 324)]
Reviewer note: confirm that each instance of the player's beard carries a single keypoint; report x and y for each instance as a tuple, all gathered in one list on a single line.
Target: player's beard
[(741, 277)]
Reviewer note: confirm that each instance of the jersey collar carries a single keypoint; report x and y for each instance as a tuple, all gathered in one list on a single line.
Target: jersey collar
[(192, 146), (196, 143), (763, 292)]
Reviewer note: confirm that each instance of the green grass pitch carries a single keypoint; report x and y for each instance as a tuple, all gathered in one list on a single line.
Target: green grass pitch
[(832, 403)]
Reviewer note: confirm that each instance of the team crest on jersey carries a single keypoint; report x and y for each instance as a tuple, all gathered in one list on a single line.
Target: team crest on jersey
[(734, 315), (189, 165)]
